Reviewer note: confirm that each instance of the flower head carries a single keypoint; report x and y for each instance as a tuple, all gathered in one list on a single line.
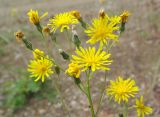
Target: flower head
[(103, 29), (124, 16), (90, 58), (19, 35), (122, 90), (141, 108), (40, 68), (73, 70), (38, 54), (34, 17), (62, 21)]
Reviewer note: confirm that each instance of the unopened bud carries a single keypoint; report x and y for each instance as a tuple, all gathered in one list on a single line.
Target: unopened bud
[(76, 39), (28, 44), (64, 54), (57, 69)]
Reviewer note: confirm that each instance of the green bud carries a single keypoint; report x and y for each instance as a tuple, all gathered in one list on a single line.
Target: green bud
[(28, 44), (76, 40), (64, 54), (57, 69)]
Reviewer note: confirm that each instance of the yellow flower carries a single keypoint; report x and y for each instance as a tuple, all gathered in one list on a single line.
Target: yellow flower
[(34, 17), (122, 90), (89, 58), (141, 108), (103, 29), (19, 35), (38, 54), (124, 16), (73, 70), (62, 21), (40, 68)]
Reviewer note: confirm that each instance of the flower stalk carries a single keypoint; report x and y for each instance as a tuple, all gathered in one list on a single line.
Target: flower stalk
[(89, 94)]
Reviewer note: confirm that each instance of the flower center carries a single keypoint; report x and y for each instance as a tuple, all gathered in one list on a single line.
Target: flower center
[(121, 90), (43, 69)]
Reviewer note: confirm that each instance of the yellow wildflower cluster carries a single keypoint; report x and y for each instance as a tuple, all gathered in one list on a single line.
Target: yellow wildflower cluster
[(123, 90), (104, 30)]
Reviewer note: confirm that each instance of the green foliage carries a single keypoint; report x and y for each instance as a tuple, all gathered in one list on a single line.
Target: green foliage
[(19, 92)]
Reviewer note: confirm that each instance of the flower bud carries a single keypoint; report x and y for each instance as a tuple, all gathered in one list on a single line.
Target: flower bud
[(57, 69), (76, 39), (64, 54), (28, 44)]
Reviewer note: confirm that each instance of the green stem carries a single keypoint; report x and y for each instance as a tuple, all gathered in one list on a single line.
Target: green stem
[(125, 110), (102, 94), (69, 38), (89, 95), (61, 97)]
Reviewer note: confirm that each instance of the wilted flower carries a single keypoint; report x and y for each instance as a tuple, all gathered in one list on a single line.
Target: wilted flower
[(40, 68), (76, 14), (46, 30), (122, 90), (62, 21), (124, 16), (141, 108), (19, 35), (38, 54), (73, 70), (34, 17), (102, 13), (90, 58)]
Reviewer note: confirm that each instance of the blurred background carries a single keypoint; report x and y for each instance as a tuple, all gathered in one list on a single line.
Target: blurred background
[(137, 55)]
